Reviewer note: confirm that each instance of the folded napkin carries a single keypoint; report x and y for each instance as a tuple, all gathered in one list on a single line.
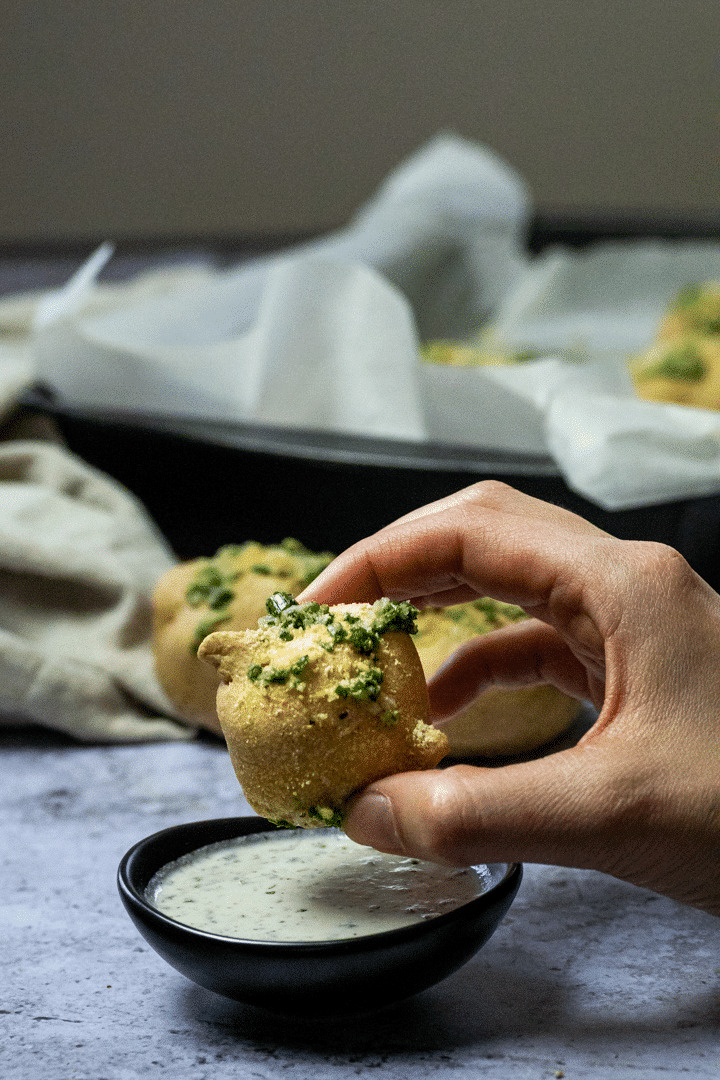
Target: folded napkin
[(78, 559)]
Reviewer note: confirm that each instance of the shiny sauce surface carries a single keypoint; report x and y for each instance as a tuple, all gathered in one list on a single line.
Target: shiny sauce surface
[(314, 885)]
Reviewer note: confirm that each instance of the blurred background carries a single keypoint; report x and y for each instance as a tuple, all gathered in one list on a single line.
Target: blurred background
[(277, 118), (229, 127)]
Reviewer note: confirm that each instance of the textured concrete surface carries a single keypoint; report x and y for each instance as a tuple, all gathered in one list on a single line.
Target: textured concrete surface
[(586, 978)]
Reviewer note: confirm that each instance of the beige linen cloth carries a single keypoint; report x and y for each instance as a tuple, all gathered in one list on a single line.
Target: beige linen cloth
[(78, 559)]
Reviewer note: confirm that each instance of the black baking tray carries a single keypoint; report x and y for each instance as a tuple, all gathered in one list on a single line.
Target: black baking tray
[(208, 483), (211, 483)]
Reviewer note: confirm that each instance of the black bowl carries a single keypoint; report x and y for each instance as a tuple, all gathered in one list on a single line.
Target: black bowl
[(316, 978)]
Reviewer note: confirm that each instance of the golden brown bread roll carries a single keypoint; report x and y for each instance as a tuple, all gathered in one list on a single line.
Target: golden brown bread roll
[(681, 370), (499, 723), (694, 310), (319, 701), (228, 590)]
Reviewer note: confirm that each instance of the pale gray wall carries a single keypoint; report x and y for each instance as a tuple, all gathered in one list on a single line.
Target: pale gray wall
[(163, 117)]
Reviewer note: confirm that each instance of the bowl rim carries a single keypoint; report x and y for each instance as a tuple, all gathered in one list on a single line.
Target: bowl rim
[(508, 882)]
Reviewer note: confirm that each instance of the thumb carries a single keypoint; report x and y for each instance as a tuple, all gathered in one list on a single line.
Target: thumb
[(555, 810)]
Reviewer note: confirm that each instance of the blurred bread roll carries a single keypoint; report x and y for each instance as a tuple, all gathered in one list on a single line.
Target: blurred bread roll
[(500, 723), (682, 365), (695, 309), (317, 702), (227, 590), (681, 370)]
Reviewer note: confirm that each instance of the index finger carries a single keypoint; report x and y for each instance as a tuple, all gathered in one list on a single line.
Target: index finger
[(488, 539)]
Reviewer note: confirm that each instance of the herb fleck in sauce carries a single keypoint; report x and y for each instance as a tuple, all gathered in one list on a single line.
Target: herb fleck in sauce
[(306, 886)]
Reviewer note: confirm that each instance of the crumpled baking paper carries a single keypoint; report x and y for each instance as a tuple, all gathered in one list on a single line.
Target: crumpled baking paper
[(326, 336), (323, 337), (597, 308)]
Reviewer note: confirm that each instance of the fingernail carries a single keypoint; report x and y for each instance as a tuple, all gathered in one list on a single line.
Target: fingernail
[(371, 821)]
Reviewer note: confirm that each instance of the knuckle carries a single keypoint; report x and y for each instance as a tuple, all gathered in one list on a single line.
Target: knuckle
[(660, 563), (492, 492)]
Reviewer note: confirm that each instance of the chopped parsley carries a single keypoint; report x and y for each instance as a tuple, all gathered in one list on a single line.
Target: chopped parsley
[(313, 562), (338, 633), (269, 674), (477, 616), (393, 616), (205, 627), (293, 546), (687, 297), (362, 639), (278, 602), (495, 610), (326, 815), (684, 363), (215, 583), (699, 306), (284, 613), (364, 687), (210, 586), (360, 632)]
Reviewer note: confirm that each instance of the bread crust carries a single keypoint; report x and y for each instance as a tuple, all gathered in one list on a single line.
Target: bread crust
[(500, 723), (300, 747)]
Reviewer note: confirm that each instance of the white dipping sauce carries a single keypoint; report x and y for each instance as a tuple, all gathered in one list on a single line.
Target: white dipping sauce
[(314, 885)]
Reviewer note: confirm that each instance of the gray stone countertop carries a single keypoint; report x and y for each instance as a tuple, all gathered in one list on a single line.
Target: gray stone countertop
[(586, 978)]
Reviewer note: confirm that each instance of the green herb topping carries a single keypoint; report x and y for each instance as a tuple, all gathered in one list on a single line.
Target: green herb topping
[(326, 815), (231, 551), (312, 562), (278, 602), (700, 307), (269, 674), (495, 610), (205, 627), (294, 547), (479, 616), (687, 297), (684, 363), (364, 687), (389, 616), (395, 616), (214, 585), (210, 586)]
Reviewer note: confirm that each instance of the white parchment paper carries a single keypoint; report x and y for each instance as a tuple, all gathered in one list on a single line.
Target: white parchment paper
[(326, 336)]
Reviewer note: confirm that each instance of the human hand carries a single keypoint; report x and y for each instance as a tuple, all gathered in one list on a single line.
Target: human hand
[(625, 624)]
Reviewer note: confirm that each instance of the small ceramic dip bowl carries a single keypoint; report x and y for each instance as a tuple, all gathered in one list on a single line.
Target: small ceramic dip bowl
[(337, 974)]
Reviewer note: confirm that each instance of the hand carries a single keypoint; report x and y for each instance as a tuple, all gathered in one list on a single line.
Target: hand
[(625, 624)]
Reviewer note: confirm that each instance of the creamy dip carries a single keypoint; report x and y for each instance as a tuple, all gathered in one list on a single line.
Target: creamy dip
[(314, 885)]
